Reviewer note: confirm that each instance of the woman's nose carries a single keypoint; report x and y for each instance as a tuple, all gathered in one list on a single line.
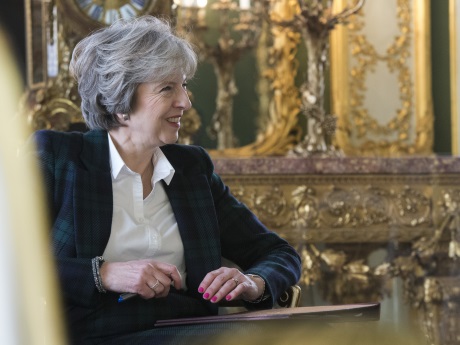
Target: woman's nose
[(183, 101)]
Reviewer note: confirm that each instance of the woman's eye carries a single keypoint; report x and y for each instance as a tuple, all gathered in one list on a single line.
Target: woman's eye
[(184, 85), (166, 88)]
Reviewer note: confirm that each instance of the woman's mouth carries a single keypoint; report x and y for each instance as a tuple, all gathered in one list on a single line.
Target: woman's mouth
[(174, 121)]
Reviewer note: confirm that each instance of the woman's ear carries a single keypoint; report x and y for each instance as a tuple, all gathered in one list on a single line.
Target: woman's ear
[(125, 117)]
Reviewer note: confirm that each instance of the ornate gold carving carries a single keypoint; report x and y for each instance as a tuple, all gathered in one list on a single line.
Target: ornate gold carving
[(270, 204), (305, 206), (54, 113), (340, 279), (450, 208), (281, 132), (54, 106), (440, 311), (382, 208), (410, 130), (336, 221), (396, 59), (412, 207), (223, 55), (314, 21), (356, 208), (430, 276)]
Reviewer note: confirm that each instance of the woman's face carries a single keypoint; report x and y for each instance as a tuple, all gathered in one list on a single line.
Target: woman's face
[(157, 111)]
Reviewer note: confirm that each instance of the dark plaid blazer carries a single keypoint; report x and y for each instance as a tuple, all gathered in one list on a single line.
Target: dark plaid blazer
[(212, 224)]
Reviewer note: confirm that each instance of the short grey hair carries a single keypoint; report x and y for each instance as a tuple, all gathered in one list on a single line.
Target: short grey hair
[(110, 64)]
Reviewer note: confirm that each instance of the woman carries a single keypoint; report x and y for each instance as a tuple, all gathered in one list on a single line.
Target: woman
[(135, 213)]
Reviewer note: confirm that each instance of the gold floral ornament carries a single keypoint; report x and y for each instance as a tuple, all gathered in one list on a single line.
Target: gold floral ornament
[(430, 256), (451, 208), (396, 58), (54, 113), (342, 280)]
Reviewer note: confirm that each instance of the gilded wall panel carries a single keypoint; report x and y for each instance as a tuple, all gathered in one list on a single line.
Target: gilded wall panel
[(343, 209), (338, 211), (381, 81)]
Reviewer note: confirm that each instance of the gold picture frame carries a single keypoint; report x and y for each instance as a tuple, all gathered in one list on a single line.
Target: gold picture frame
[(454, 37), (36, 13)]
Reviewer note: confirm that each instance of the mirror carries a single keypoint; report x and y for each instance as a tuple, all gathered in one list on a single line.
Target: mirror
[(248, 68)]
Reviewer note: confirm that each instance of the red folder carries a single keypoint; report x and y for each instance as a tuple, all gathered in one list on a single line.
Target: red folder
[(335, 313)]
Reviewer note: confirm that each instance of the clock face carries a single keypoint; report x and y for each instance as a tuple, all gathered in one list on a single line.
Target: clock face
[(81, 17), (108, 11)]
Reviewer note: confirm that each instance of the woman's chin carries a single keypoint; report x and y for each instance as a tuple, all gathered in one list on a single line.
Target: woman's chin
[(171, 140)]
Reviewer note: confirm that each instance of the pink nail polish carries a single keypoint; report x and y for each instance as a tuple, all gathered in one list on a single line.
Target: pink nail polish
[(200, 290), (228, 298), (214, 299), (206, 296)]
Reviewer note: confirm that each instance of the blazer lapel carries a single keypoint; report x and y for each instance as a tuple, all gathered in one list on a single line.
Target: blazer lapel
[(193, 206), (93, 196)]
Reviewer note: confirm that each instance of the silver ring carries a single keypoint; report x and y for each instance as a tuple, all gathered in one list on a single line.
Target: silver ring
[(155, 285), (236, 281)]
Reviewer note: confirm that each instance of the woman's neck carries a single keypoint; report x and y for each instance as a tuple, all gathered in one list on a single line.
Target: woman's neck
[(137, 157)]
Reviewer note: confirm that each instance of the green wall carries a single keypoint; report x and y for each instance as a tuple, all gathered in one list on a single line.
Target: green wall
[(204, 89), (441, 75)]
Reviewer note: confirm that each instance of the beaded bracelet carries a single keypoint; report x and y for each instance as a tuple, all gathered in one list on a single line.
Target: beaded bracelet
[(262, 296), (96, 263)]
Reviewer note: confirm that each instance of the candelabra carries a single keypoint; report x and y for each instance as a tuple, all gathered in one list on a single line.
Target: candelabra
[(238, 28), (314, 20)]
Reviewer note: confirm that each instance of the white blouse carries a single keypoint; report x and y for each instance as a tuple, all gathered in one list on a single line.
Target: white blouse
[(143, 228)]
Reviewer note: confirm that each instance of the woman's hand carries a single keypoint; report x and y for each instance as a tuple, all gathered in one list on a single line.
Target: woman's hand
[(229, 284), (147, 278)]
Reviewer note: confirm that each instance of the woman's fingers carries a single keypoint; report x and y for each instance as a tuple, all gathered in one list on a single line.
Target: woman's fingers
[(167, 274), (175, 278), (224, 283), (147, 278)]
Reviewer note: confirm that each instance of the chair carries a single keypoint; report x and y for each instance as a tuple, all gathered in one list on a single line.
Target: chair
[(290, 298)]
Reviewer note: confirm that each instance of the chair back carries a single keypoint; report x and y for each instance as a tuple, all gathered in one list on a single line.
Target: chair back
[(291, 297)]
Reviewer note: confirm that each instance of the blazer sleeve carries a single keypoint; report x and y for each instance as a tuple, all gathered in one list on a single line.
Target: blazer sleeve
[(249, 244), (75, 273)]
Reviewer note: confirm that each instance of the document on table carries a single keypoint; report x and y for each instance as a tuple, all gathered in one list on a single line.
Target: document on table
[(334, 313)]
